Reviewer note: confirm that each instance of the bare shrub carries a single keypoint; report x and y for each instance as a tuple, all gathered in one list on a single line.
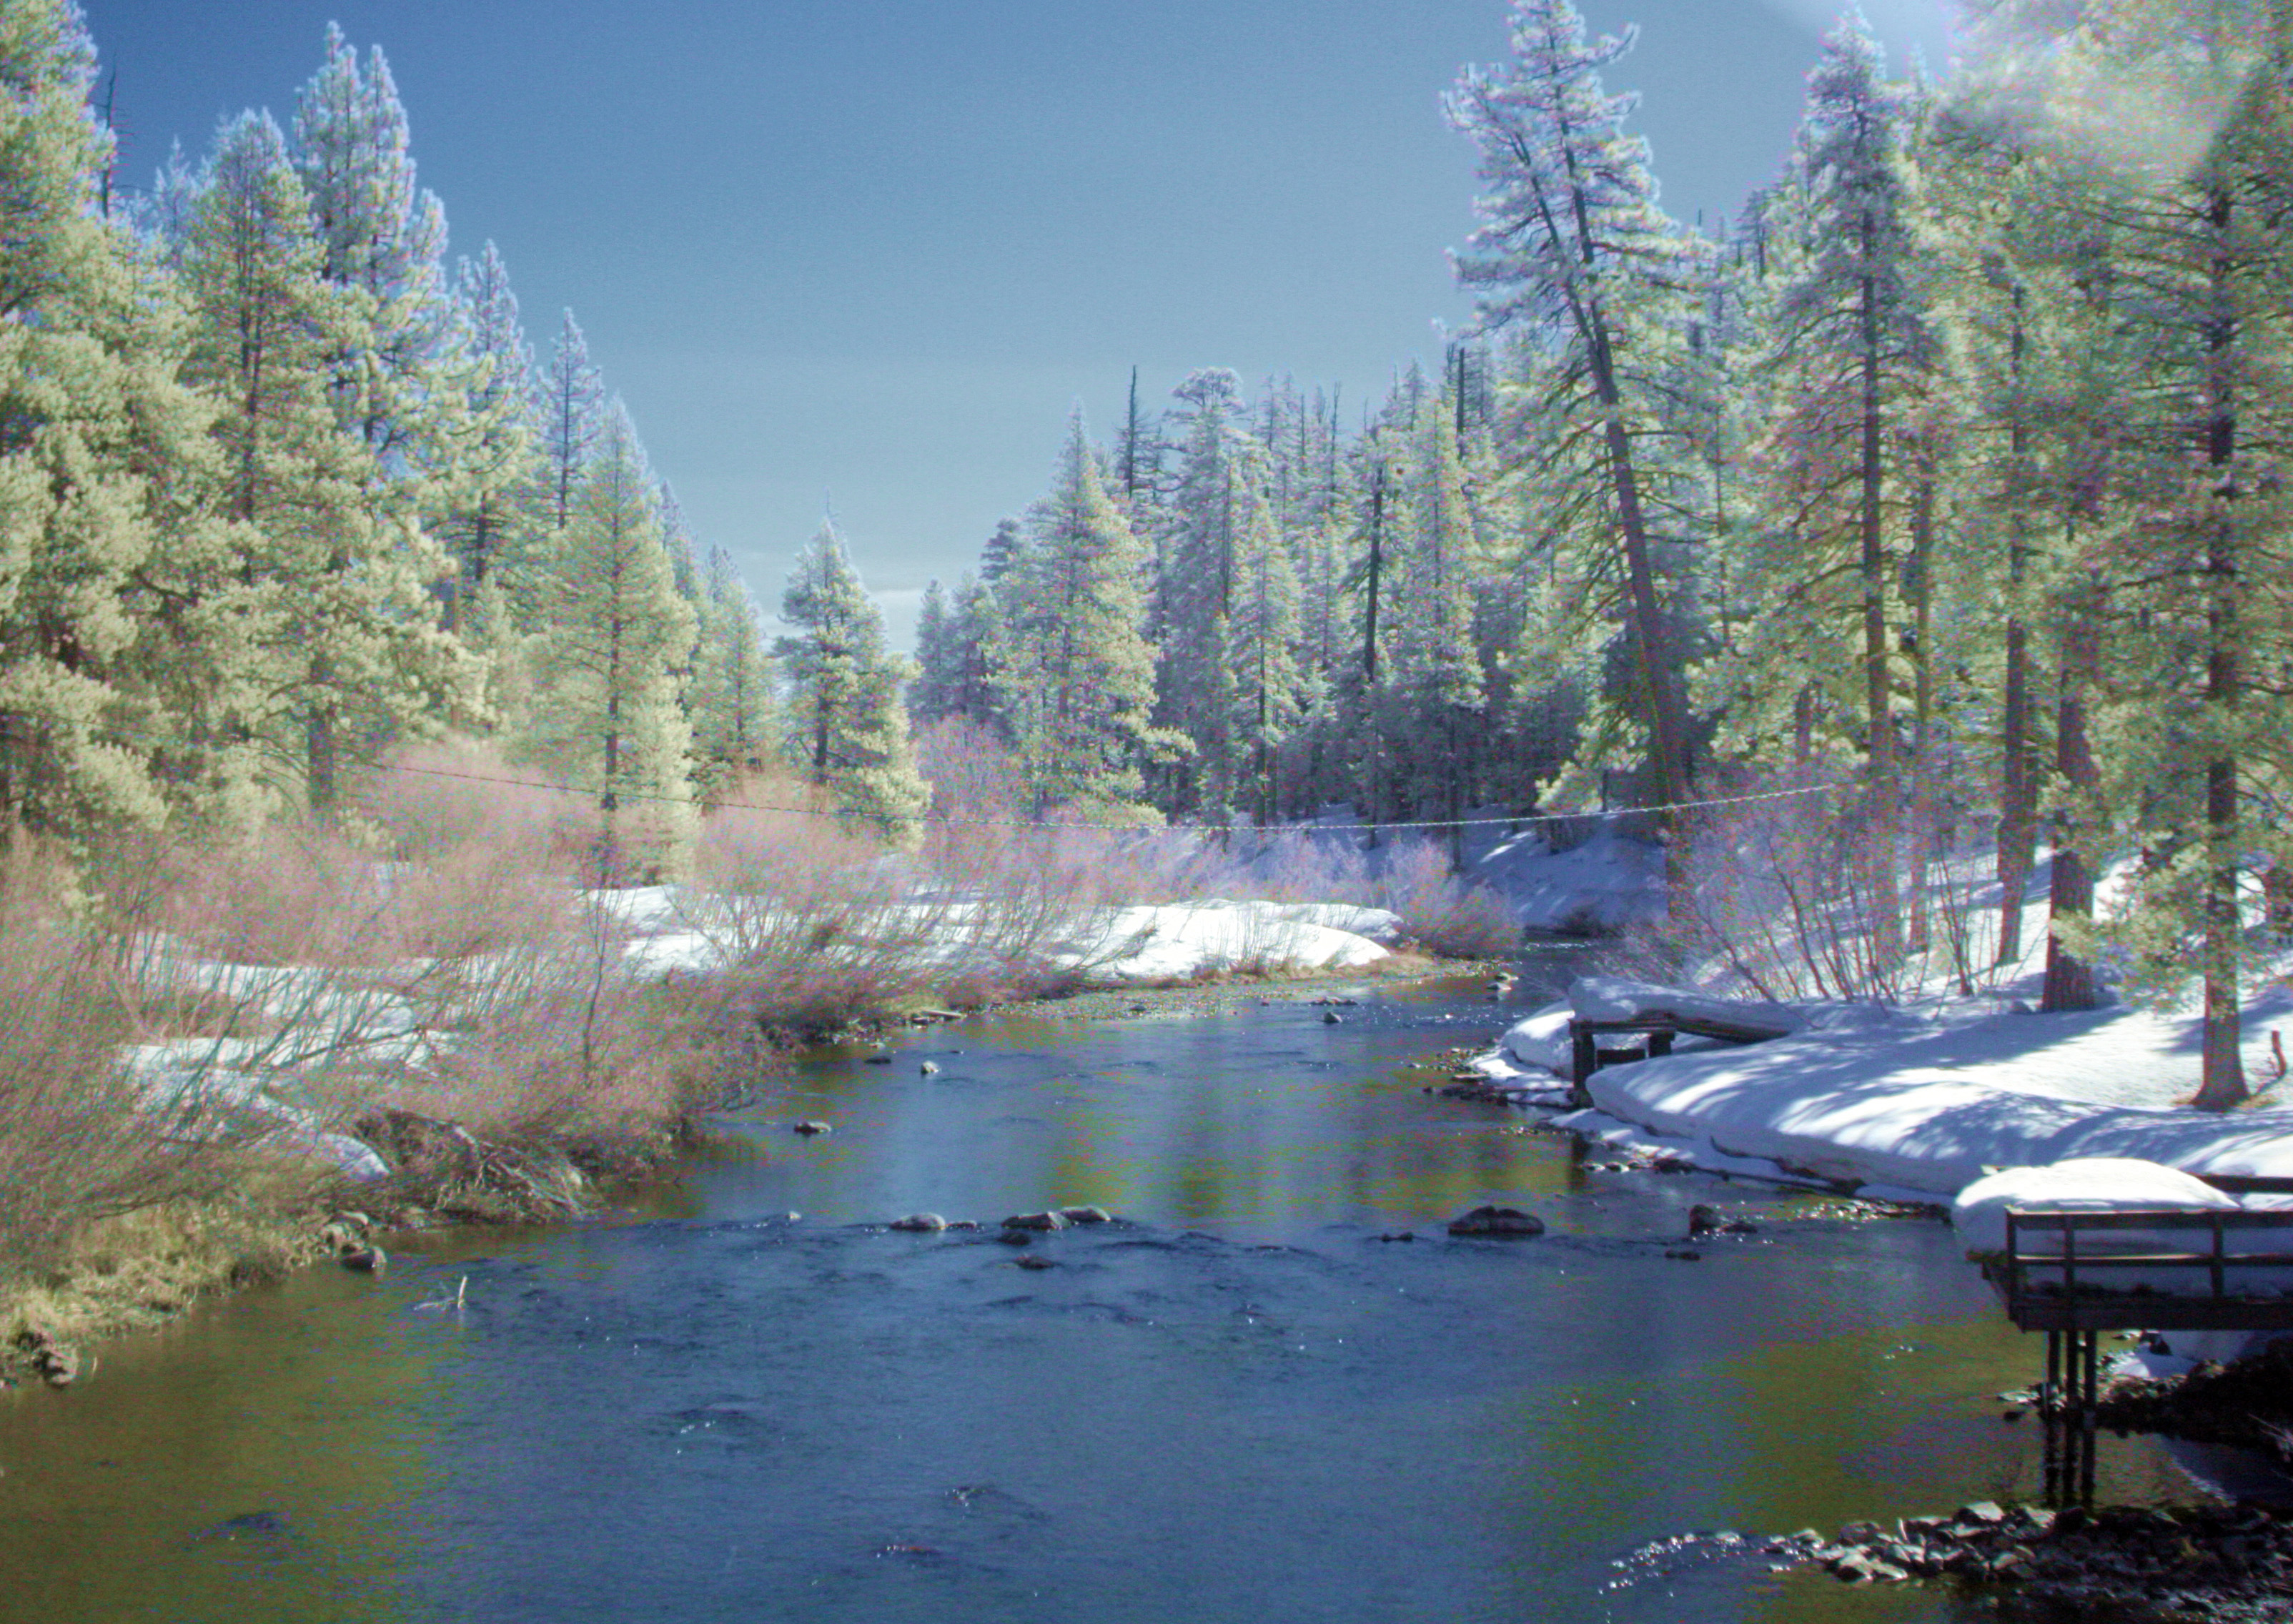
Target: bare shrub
[(551, 1038), (973, 774), (1784, 899), (815, 924), (74, 1143), (1439, 910)]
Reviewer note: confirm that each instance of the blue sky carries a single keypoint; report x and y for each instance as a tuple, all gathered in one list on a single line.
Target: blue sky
[(873, 253)]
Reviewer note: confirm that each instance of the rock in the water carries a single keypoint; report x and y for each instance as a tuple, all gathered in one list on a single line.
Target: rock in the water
[(810, 1130), (879, 1059), (922, 1224), (58, 1363), (1331, 1017), (1497, 1221), (1015, 1238), (1040, 1222), (1684, 1255), (930, 1068), (1393, 1234), (1086, 1214), (364, 1260), (1704, 1220), (1034, 1260)]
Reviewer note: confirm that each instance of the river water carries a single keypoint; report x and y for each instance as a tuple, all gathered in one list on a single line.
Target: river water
[(746, 1400)]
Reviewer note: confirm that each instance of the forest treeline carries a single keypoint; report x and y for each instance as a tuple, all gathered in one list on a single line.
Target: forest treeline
[(1948, 477), (283, 486), (1947, 480)]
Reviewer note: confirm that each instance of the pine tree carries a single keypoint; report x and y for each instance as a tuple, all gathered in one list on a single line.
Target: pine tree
[(1269, 689), (1195, 587), (493, 492), (103, 469), (336, 643), (939, 657), (731, 687), (847, 731), (382, 241), (605, 708), (572, 412), (1857, 354), (1573, 250), (1072, 663), (1434, 679)]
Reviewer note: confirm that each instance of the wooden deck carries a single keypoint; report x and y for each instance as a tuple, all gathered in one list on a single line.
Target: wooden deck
[(2074, 1294)]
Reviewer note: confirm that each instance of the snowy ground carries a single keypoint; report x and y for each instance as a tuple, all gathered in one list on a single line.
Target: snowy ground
[(1131, 946), (362, 1023), (1919, 1102)]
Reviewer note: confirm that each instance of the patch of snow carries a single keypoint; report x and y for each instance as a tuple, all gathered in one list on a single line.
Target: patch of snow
[(1927, 1102), (1600, 888), (1542, 1040), (1614, 998), (1151, 943)]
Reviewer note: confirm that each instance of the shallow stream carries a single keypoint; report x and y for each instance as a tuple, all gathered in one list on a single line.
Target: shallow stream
[(747, 1400)]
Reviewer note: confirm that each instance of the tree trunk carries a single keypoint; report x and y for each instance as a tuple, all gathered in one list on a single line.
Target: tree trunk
[(1919, 579), (1879, 747), (2222, 1082), (2071, 982)]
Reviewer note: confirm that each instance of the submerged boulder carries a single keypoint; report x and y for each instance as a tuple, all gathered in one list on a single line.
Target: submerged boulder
[(1086, 1214), (1036, 1222), (922, 1224), (1497, 1221)]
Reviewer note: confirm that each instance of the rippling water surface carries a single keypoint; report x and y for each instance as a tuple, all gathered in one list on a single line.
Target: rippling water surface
[(1242, 1402)]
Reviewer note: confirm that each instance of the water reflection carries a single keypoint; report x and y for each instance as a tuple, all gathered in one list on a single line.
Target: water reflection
[(1241, 1404)]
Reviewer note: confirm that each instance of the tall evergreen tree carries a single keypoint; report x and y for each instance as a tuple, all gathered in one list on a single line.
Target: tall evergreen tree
[(1573, 250), (732, 685), (847, 732), (103, 468), (1857, 354), (572, 412), (341, 645), (1072, 662), (605, 708), (492, 490)]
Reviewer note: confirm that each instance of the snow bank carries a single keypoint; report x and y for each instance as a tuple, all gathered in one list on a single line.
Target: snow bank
[(1542, 1041), (1614, 998), (1149, 945), (2084, 1184), (1600, 888), (1131, 946), (1917, 1105)]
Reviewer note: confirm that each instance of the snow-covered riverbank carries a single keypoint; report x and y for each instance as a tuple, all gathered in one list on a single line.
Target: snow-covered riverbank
[(1916, 1103)]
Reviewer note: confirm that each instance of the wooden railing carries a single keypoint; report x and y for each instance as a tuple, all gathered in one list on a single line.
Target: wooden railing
[(2074, 1286)]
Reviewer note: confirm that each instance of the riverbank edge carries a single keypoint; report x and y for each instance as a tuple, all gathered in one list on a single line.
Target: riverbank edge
[(143, 1270)]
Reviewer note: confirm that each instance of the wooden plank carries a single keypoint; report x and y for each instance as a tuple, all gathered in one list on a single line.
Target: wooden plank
[(2150, 1218)]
